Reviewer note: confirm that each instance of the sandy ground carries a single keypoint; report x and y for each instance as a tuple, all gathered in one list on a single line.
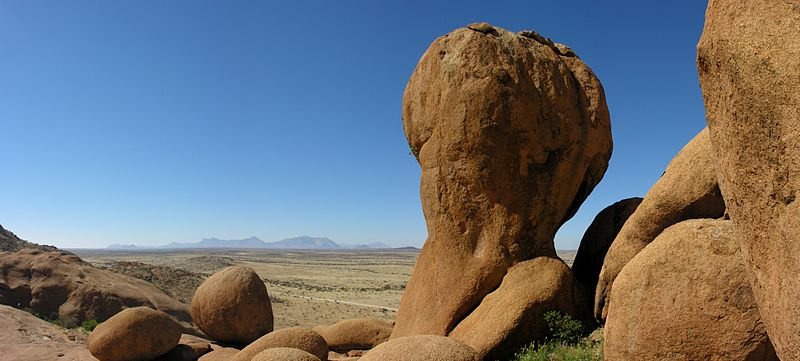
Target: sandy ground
[(307, 288)]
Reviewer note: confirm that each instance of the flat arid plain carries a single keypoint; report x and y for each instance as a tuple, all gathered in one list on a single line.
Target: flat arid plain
[(307, 288)]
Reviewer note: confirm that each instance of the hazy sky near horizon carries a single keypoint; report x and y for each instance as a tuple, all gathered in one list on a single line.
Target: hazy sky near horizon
[(152, 122)]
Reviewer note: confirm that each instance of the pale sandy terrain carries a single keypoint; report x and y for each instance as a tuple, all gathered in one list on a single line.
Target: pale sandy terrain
[(307, 288)]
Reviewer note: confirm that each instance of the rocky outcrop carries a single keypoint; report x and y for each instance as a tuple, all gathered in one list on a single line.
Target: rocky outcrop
[(596, 241), (512, 135), (513, 316), (686, 296), (138, 333), (284, 354), (421, 347), (355, 334), (688, 189), (749, 64), (233, 306), (59, 285), (9, 242), (293, 337), (24, 337), (176, 282)]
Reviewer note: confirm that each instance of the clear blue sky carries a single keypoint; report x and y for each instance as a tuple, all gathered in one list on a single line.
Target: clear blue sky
[(150, 122)]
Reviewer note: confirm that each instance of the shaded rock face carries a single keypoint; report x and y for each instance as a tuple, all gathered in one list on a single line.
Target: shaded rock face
[(24, 337), (748, 60), (355, 334), (596, 241), (511, 136), (233, 306), (421, 347), (293, 337), (688, 189), (134, 334), (686, 297), (59, 285), (513, 316)]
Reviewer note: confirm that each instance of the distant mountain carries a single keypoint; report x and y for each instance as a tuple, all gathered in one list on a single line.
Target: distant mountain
[(9, 242), (304, 242), (252, 242)]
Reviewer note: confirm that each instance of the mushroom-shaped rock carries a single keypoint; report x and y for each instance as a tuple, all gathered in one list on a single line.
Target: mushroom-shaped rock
[(355, 334), (596, 241), (233, 306), (688, 189), (513, 316), (134, 334), (511, 137), (293, 337), (421, 347), (284, 354), (686, 297), (749, 64)]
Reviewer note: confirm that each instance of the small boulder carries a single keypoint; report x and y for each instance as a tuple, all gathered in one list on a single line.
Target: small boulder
[(233, 306), (293, 337), (189, 348), (512, 316), (421, 347), (284, 354), (134, 334), (688, 189), (220, 354), (355, 334), (686, 296)]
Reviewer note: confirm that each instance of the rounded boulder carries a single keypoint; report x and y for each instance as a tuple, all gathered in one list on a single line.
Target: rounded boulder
[(355, 334), (134, 334), (421, 347), (284, 354), (293, 337), (233, 306)]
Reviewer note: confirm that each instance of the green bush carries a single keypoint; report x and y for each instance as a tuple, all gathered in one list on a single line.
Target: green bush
[(89, 325), (562, 327), (555, 351)]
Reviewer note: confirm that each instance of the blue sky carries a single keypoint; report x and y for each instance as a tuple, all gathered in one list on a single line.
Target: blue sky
[(150, 122)]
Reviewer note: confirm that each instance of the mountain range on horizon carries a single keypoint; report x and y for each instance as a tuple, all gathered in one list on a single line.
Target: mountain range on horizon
[(301, 242)]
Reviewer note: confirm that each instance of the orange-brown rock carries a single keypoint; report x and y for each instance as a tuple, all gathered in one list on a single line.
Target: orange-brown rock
[(293, 337), (421, 347), (59, 285), (355, 334), (686, 297), (596, 241), (134, 334), (284, 354), (749, 64), (233, 306), (512, 316), (189, 348), (24, 337), (220, 354), (688, 189), (512, 136)]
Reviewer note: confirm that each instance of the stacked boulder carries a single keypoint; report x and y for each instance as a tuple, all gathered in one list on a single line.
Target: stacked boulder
[(512, 133)]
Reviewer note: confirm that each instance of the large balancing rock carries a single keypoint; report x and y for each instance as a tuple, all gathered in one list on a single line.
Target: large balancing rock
[(749, 64), (512, 133)]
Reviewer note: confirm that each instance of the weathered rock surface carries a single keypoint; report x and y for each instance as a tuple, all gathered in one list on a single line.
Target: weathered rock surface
[(293, 337), (9, 242), (596, 241), (284, 354), (134, 334), (686, 297), (176, 282), (221, 354), (688, 189), (189, 348), (513, 316), (511, 136), (233, 306), (355, 334), (24, 337), (59, 285), (421, 348), (749, 64)]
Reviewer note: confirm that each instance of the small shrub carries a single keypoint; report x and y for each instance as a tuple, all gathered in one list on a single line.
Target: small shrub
[(89, 325), (562, 327)]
